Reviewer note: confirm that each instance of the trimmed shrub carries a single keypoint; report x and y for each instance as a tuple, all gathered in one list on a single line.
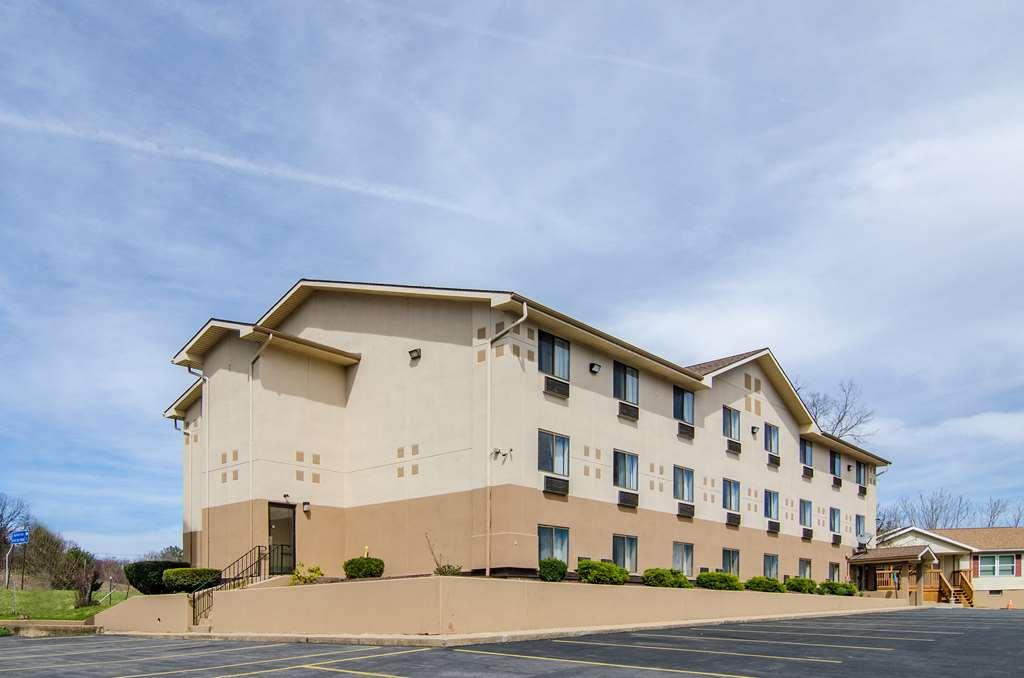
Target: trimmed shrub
[(719, 581), (596, 572), (4, 631), (837, 588), (364, 567), (552, 569), (801, 585), (306, 575), (664, 577), (189, 579), (147, 576), (448, 570), (765, 584)]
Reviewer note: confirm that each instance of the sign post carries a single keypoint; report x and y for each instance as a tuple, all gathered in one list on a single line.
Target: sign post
[(19, 537)]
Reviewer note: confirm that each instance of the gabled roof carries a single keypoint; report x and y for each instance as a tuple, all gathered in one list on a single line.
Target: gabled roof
[(932, 534), (712, 367), (179, 408), (894, 554), (987, 538)]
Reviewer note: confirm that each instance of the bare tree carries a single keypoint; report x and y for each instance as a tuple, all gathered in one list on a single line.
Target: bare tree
[(13, 514), (843, 415), (887, 519), (172, 552), (938, 509), (992, 511), (1017, 516)]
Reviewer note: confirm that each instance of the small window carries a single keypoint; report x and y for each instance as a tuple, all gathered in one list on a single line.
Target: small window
[(627, 383), (625, 470), (998, 565), (771, 439), (806, 513), (771, 565), (682, 484), (859, 525), (552, 453), (682, 404), (553, 542), (862, 473), (731, 561), (553, 355), (833, 571), (771, 505), (835, 463), (730, 423), (806, 452), (682, 558), (835, 520), (624, 552), (730, 495), (805, 567)]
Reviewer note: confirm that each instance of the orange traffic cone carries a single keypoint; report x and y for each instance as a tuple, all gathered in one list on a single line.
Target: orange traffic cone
[(1009, 605)]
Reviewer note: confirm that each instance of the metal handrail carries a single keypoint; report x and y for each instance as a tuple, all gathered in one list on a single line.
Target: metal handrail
[(246, 568)]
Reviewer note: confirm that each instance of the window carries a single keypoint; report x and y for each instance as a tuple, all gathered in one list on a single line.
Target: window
[(553, 355), (806, 517), (627, 383), (682, 484), (730, 423), (999, 565), (859, 525), (625, 470), (805, 567), (771, 565), (771, 439), (730, 494), (624, 552), (835, 519), (835, 463), (833, 571), (731, 561), (771, 505), (552, 453), (682, 404), (862, 473), (553, 542), (682, 558), (806, 452)]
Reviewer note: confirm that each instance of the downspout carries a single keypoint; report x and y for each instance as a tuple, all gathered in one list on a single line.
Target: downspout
[(252, 452), (205, 429), (487, 447)]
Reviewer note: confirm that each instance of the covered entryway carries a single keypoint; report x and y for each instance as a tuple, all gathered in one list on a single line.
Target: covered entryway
[(897, 572), (281, 538)]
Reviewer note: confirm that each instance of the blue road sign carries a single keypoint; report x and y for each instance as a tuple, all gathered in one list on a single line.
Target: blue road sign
[(19, 537)]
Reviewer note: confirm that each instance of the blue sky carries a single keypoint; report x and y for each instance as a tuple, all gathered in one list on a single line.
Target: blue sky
[(840, 182)]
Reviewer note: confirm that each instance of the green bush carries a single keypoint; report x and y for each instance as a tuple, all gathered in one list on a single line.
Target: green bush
[(448, 570), (306, 575), (4, 631), (364, 567), (664, 577), (147, 576), (837, 588), (801, 585), (552, 569), (719, 581), (596, 572), (189, 579), (765, 584)]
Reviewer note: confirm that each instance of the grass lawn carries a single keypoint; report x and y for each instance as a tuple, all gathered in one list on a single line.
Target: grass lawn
[(52, 604)]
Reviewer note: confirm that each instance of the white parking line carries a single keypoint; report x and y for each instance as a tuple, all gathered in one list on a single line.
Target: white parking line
[(769, 642), (47, 655), (134, 659), (868, 628), (688, 649), (827, 635)]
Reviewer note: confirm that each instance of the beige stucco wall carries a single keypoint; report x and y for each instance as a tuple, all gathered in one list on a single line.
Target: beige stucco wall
[(436, 605), (148, 614), (985, 599)]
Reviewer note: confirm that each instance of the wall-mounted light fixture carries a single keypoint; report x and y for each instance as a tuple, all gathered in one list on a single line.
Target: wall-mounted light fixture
[(415, 354), (305, 507), (595, 368), (755, 429), (849, 467), (287, 499)]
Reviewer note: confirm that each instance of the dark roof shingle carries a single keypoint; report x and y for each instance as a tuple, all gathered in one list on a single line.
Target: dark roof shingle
[(710, 366)]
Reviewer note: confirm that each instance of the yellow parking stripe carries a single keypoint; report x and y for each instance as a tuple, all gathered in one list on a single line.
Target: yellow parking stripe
[(329, 661), (827, 635), (300, 657), (634, 667), (757, 640), (687, 649), (350, 671), (134, 659)]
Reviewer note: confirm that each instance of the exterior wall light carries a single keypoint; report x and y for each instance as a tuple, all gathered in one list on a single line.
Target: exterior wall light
[(305, 507), (755, 429), (415, 354), (595, 368)]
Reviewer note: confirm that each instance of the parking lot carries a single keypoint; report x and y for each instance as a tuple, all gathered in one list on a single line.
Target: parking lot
[(936, 642)]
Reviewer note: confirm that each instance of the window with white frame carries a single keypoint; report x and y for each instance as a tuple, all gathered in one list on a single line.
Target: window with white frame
[(682, 404), (806, 513), (730, 423), (806, 452), (860, 525), (682, 484), (771, 505), (553, 542), (625, 470), (730, 495), (553, 355), (627, 383), (805, 567), (682, 557), (833, 571), (771, 565), (771, 438), (731, 561), (624, 551), (835, 519), (996, 565), (552, 453)]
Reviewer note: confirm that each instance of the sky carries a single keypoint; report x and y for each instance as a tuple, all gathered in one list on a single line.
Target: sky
[(839, 181)]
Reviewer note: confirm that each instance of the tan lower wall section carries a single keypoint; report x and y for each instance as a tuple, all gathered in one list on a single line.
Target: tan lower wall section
[(396, 532), (458, 605), (149, 614), (984, 599)]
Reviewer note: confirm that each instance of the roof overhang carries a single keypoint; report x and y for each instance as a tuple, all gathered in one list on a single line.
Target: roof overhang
[(194, 352), (889, 536), (772, 368), (179, 408), (845, 447), (875, 556)]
